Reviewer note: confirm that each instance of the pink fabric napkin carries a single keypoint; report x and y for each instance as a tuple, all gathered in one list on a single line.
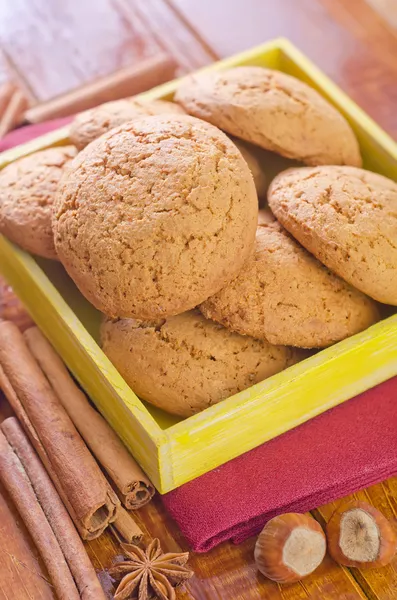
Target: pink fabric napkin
[(339, 452), (27, 133)]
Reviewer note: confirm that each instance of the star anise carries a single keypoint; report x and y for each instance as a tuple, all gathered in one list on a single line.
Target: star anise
[(149, 574)]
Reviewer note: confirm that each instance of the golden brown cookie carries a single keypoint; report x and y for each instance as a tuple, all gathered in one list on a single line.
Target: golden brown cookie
[(286, 296), (255, 166), (156, 216), (27, 192), (273, 110), (90, 124), (347, 218), (186, 363)]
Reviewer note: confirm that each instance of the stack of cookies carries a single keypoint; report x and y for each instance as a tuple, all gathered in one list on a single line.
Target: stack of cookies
[(156, 220)]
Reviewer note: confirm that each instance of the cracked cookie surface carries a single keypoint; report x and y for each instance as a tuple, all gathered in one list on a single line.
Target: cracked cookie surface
[(186, 363), (347, 218), (90, 124), (286, 296), (273, 110), (155, 216), (27, 192)]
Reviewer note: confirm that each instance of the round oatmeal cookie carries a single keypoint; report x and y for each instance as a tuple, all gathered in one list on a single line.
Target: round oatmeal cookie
[(286, 296), (27, 191), (347, 218), (156, 216), (273, 110), (186, 363), (255, 166), (90, 124)]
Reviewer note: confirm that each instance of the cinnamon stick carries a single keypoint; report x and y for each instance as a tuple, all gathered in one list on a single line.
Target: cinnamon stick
[(38, 446), (128, 81), (41, 451), (13, 114), (134, 487), (17, 484), (127, 527), (7, 90), (18, 409), (56, 513), (94, 503), (18, 565)]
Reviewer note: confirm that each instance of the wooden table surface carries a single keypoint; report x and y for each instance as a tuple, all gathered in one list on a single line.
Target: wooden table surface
[(51, 46)]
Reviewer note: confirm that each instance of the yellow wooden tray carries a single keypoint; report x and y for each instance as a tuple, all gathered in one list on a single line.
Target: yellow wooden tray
[(174, 451)]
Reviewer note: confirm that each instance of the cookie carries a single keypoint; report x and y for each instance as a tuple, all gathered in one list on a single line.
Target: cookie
[(273, 110), (286, 296), (255, 166), (27, 192), (156, 216), (186, 363), (347, 218), (90, 124)]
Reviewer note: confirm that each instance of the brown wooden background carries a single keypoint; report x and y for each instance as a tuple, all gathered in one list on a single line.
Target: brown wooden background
[(51, 46)]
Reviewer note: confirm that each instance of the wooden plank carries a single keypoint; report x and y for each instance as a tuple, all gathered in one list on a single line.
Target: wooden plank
[(379, 584), (120, 33), (188, 49), (387, 9), (346, 39), (57, 46)]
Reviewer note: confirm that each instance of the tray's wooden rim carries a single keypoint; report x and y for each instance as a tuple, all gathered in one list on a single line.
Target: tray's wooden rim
[(174, 444)]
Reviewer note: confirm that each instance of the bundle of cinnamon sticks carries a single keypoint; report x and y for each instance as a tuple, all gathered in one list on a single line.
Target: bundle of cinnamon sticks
[(57, 418), (45, 517)]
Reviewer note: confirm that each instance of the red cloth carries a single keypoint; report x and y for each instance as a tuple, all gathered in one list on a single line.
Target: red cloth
[(346, 449), (339, 452), (27, 133)]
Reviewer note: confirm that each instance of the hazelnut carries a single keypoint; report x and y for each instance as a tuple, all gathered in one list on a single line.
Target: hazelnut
[(360, 536), (290, 547)]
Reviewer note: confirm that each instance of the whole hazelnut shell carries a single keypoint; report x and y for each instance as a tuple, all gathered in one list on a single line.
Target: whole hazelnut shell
[(347, 538), (285, 542)]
